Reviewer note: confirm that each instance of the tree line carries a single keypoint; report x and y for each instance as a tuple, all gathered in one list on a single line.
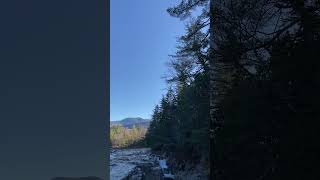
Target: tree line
[(244, 89), (122, 137)]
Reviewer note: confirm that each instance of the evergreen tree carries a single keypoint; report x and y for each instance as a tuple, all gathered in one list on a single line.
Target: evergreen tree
[(249, 69)]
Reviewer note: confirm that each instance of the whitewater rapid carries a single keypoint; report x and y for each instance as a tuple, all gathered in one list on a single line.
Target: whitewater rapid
[(124, 161)]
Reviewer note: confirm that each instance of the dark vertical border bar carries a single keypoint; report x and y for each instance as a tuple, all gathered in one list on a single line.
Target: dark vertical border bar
[(54, 89), (108, 85)]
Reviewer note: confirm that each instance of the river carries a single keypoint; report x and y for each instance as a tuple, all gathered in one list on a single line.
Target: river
[(125, 162), (141, 164)]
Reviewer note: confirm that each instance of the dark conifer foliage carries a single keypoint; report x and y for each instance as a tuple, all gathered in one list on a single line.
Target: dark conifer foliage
[(246, 74)]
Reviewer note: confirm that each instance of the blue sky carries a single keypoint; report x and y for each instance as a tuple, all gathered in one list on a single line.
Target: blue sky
[(142, 36)]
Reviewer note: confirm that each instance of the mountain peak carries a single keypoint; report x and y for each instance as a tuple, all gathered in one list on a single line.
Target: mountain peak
[(132, 121)]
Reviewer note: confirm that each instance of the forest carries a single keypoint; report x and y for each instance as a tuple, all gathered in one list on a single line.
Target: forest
[(243, 89), (122, 137)]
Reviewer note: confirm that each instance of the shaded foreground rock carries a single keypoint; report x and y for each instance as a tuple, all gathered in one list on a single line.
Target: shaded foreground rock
[(188, 170), (145, 172), (196, 173)]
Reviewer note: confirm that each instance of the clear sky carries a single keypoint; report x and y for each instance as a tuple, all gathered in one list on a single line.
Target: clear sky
[(142, 36)]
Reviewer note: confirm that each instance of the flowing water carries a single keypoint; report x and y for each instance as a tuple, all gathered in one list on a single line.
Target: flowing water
[(124, 161)]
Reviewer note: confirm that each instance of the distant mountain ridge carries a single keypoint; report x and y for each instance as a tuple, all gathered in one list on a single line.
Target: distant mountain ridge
[(132, 121)]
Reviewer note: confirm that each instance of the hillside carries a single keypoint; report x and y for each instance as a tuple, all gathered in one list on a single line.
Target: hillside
[(130, 122)]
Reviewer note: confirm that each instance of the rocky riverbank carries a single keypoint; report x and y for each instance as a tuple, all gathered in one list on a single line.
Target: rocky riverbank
[(186, 170), (133, 164), (190, 172), (142, 164)]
